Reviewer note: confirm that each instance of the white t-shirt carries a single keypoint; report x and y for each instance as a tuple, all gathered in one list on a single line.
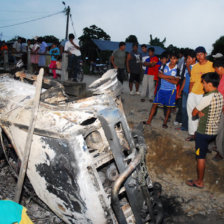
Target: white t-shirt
[(17, 46), (69, 47)]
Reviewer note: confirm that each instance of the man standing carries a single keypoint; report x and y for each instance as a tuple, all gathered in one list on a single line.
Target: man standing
[(196, 88), (74, 54), (42, 53), (134, 68), (165, 96), (118, 61), (17, 48), (151, 75)]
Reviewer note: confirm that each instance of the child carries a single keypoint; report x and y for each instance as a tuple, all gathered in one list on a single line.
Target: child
[(54, 52), (184, 89), (209, 111), (165, 96)]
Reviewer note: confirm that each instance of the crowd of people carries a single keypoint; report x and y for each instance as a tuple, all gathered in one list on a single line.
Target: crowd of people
[(185, 82), (46, 55)]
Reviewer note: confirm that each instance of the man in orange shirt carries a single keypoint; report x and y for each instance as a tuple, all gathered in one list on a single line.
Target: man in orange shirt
[(196, 90)]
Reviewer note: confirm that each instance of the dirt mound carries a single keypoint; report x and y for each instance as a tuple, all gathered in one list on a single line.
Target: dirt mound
[(167, 155)]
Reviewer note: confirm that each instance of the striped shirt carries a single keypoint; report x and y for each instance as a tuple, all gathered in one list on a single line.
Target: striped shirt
[(211, 105)]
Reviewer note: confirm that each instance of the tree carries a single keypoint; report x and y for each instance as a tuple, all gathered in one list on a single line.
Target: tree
[(157, 42), (50, 39), (88, 48), (218, 46), (131, 39)]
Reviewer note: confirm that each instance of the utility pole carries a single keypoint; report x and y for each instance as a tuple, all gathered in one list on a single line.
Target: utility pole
[(67, 23)]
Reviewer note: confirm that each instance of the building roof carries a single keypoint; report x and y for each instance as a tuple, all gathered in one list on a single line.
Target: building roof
[(107, 45)]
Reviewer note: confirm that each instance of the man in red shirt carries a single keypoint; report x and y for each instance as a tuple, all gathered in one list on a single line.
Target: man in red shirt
[(219, 68), (149, 80)]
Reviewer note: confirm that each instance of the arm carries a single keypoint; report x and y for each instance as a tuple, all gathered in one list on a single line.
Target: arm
[(171, 79), (127, 62), (76, 46), (181, 89), (112, 62), (150, 64)]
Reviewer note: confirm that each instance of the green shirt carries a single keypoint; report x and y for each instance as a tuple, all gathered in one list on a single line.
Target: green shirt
[(119, 58)]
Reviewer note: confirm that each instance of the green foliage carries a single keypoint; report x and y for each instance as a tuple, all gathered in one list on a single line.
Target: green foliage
[(131, 39), (50, 39), (218, 46), (157, 42), (88, 48)]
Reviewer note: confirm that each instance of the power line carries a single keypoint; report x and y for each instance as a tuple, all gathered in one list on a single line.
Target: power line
[(32, 20), (72, 24)]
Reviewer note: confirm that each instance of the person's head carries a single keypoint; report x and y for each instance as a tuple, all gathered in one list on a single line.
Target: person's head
[(122, 46), (181, 53), (71, 36), (191, 57), (218, 65), (19, 39), (201, 54), (135, 46), (39, 39), (151, 51), (210, 81), (144, 48), (164, 58), (173, 58), (28, 41)]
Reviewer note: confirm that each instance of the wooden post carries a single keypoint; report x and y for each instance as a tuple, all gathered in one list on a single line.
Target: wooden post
[(6, 60), (29, 138), (64, 67), (29, 66)]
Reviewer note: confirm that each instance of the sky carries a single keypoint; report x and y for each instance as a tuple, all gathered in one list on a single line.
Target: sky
[(184, 23)]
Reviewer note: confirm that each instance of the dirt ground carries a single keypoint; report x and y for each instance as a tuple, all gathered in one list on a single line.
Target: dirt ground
[(171, 161)]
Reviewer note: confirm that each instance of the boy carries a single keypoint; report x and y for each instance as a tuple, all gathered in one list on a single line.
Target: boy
[(134, 67), (54, 52), (166, 95), (209, 111), (150, 76), (219, 68), (184, 89)]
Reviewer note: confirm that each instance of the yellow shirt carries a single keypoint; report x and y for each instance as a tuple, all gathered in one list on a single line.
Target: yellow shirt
[(196, 73)]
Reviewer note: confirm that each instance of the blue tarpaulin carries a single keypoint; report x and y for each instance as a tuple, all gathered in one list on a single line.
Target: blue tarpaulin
[(107, 45)]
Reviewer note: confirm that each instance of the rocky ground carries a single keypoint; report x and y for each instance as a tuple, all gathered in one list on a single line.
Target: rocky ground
[(170, 160)]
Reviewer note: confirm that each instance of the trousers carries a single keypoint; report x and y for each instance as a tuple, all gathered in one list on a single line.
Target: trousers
[(192, 101), (148, 87)]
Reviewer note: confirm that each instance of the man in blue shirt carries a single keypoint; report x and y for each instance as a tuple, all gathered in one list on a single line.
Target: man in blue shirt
[(184, 89), (166, 95)]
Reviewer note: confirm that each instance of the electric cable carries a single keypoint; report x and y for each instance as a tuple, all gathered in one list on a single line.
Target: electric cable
[(72, 24), (32, 20)]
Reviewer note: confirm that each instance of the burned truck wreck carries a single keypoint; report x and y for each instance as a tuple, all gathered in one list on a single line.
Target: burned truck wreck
[(85, 163)]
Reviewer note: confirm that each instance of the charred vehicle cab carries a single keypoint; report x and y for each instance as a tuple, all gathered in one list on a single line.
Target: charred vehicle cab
[(85, 163)]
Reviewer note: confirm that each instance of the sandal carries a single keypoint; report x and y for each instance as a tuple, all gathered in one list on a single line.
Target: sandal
[(191, 183), (190, 138), (145, 123)]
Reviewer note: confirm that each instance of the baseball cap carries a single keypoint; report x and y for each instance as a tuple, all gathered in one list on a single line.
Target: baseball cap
[(200, 49), (217, 55)]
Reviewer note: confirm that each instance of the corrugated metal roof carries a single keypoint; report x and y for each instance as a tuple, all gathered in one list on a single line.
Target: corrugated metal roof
[(107, 45)]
